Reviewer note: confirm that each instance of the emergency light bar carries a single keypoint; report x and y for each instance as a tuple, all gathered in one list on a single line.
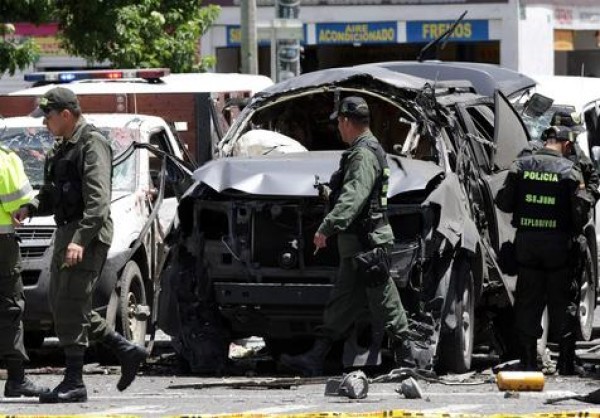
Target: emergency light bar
[(68, 76)]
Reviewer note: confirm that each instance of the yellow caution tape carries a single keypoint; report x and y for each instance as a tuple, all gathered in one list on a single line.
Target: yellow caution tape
[(398, 414)]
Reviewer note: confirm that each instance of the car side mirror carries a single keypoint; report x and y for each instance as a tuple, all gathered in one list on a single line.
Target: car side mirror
[(537, 105)]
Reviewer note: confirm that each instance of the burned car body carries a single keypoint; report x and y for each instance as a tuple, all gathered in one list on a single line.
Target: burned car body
[(243, 263)]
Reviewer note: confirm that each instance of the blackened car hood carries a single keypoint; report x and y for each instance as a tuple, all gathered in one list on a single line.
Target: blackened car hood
[(294, 174)]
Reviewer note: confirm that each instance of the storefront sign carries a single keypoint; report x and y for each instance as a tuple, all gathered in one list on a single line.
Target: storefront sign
[(357, 33), (234, 36), (467, 30), (577, 18), (271, 3)]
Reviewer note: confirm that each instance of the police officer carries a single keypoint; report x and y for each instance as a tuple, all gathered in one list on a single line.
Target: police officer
[(358, 218), (15, 191), (546, 195), (77, 189), (576, 154)]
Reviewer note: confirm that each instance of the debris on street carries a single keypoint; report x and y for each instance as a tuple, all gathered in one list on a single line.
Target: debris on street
[(266, 383)]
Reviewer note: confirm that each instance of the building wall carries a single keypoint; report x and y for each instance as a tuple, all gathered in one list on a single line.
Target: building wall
[(536, 41), (502, 18)]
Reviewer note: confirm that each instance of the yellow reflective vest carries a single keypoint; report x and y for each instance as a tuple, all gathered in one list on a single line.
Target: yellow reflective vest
[(15, 189)]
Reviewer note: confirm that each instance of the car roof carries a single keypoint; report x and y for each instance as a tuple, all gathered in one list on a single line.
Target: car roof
[(347, 74), (569, 90), (172, 83), (486, 78)]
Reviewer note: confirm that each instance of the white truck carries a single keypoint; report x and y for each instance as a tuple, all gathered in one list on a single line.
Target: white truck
[(149, 168)]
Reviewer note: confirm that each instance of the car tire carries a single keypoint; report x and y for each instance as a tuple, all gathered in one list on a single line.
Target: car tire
[(133, 305), (587, 299), (456, 346)]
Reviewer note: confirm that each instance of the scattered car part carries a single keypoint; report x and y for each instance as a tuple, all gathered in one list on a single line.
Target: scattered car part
[(354, 385), (592, 397), (267, 383), (410, 389)]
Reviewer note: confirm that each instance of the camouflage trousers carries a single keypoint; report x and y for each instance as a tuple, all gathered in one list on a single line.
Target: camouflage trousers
[(70, 294), (12, 303), (349, 297)]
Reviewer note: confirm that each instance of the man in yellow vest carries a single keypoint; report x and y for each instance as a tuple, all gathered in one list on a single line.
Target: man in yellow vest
[(15, 191)]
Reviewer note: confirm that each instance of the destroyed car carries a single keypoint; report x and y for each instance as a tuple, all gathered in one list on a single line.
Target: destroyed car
[(243, 262), (147, 173)]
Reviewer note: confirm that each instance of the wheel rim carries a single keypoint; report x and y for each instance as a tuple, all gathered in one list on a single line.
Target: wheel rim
[(136, 300), (466, 322), (586, 304)]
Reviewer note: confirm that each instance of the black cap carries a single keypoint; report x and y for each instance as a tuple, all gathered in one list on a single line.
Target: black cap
[(558, 133), (57, 98), (353, 107)]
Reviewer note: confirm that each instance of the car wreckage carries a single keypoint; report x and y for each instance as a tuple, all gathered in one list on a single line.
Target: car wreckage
[(243, 264)]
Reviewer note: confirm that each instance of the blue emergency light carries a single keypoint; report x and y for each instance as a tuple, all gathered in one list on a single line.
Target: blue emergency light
[(69, 76)]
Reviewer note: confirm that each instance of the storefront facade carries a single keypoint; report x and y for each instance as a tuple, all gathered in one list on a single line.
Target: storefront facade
[(347, 32)]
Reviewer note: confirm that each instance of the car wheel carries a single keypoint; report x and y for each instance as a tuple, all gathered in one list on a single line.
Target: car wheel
[(587, 299), (133, 306), (542, 342), (456, 346)]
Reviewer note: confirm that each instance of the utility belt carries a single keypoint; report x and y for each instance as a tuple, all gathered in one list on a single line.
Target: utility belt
[(363, 227)]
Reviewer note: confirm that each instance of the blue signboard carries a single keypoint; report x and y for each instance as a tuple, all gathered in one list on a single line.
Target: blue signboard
[(357, 33), (467, 30)]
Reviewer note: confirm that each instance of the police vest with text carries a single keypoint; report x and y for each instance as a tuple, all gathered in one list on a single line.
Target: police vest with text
[(544, 196), (377, 199)]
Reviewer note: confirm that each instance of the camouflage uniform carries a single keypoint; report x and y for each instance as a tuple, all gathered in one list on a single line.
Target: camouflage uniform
[(71, 287), (77, 190), (351, 289)]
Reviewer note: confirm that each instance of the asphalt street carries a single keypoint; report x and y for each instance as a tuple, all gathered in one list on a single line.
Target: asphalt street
[(162, 390)]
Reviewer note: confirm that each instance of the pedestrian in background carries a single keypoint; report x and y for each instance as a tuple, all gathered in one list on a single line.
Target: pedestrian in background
[(546, 194), (77, 190), (358, 201), (15, 191)]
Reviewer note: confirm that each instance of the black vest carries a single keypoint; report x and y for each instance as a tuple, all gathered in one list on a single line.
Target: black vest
[(544, 195), (378, 197), (65, 170)]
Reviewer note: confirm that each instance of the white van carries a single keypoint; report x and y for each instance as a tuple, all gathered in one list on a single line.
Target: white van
[(147, 168)]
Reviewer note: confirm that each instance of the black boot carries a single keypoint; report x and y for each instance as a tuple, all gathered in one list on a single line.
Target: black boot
[(130, 357), (71, 389), (403, 355), (310, 363), (17, 384), (566, 357), (529, 357)]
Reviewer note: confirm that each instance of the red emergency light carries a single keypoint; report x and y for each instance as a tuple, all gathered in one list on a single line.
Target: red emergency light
[(151, 74)]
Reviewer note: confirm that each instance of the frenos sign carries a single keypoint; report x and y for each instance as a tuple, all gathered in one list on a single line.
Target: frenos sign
[(467, 30)]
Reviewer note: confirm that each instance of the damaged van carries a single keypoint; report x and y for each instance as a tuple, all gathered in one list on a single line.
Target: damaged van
[(243, 262)]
